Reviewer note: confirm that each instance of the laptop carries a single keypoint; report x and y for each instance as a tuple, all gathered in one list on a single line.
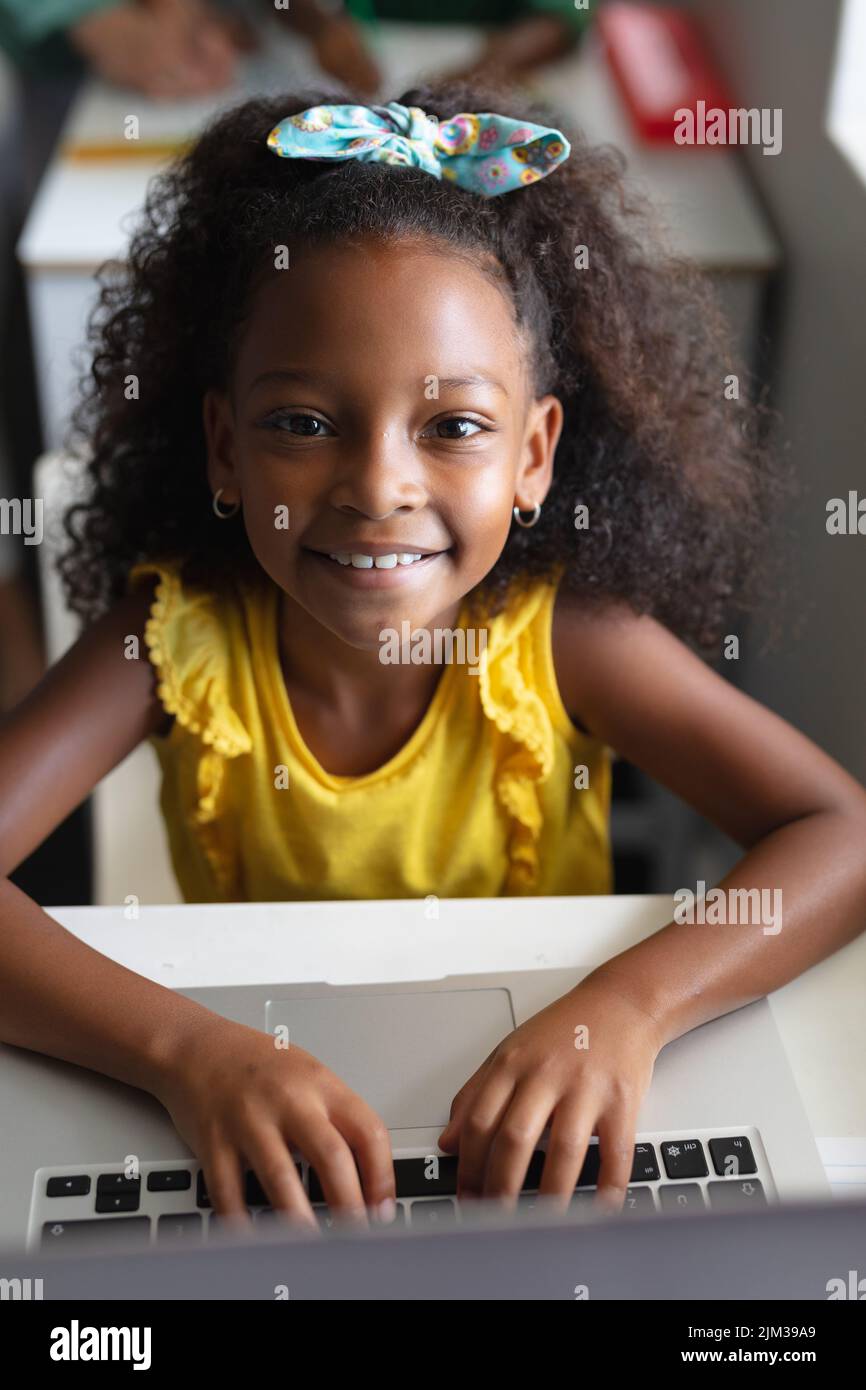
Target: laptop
[(94, 1165), (794, 1252)]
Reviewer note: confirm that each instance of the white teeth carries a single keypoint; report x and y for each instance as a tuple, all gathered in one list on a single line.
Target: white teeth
[(380, 562)]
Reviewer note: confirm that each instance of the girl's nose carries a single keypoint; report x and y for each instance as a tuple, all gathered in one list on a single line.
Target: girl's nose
[(377, 474)]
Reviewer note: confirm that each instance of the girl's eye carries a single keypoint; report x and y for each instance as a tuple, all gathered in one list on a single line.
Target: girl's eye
[(298, 422), (458, 427)]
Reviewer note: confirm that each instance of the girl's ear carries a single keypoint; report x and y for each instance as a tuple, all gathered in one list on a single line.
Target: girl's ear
[(219, 436), (543, 427)]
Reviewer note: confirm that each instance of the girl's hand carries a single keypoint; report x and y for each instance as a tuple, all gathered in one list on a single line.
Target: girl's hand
[(540, 1074), (241, 1102)]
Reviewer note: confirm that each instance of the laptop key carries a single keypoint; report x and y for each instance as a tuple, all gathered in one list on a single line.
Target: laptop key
[(94, 1234), (591, 1165), (255, 1195), (340, 1220), (433, 1176), (271, 1218), (224, 1225), (107, 1202), (734, 1196), (169, 1180), (534, 1171), (645, 1167), (732, 1158), (682, 1196), (323, 1216), (108, 1184), (435, 1213), (528, 1201), (638, 1199), (187, 1225), (684, 1158), (76, 1186)]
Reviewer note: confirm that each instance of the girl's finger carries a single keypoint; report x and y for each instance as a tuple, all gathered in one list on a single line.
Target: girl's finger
[(268, 1155), (479, 1121), (334, 1162), (461, 1102), (616, 1131), (515, 1140), (368, 1137), (567, 1144), (222, 1175)]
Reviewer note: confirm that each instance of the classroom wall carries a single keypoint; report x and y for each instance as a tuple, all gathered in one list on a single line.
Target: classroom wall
[(780, 53)]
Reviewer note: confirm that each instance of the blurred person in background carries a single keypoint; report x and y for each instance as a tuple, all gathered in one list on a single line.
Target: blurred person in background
[(177, 48)]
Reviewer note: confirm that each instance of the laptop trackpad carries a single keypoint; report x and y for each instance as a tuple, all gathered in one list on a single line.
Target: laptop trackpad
[(407, 1054)]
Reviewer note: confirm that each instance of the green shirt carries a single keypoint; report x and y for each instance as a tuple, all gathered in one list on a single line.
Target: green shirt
[(31, 31), (468, 11)]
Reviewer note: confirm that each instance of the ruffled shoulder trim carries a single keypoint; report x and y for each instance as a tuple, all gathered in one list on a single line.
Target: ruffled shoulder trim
[(188, 646), (509, 683), (188, 642)]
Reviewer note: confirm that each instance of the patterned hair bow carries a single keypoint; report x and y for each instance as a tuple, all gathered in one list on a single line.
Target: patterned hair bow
[(483, 152)]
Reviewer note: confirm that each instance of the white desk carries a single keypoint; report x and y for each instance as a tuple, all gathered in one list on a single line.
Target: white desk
[(82, 213), (820, 1015)]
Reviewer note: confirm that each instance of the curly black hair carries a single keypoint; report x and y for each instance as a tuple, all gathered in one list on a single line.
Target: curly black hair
[(680, 489)]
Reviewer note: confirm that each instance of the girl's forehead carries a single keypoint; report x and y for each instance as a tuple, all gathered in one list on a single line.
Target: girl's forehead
[(415, 301)]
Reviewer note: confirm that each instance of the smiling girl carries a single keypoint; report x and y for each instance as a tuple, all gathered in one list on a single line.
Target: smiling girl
[(375, 367)]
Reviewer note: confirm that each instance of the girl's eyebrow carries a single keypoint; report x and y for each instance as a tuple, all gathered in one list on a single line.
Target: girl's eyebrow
[(448, 383), (455, 382)]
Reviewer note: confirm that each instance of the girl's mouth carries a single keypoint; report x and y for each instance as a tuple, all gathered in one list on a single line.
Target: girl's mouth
[(380, 571)]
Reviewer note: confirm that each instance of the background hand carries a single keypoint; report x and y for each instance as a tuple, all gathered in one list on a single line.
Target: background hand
[(162, 48), (341, 51)]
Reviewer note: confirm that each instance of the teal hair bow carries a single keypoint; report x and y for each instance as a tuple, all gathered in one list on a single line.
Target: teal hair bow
[(483, 152)]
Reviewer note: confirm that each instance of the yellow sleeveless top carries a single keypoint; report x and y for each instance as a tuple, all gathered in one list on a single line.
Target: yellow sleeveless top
[(486, 799)]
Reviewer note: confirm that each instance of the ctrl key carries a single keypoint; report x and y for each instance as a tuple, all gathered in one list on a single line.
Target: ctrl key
[(95, 1235)]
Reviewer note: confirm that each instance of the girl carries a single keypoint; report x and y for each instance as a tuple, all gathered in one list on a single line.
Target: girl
[(404, 371)]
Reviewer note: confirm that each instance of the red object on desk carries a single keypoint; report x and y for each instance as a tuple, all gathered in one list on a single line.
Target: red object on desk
[(660, 64)]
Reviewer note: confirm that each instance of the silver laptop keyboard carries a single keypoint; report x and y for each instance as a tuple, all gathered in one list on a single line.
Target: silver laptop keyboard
[(99, 1205)]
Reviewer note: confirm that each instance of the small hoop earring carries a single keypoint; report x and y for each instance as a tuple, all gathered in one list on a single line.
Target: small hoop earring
[(232, 511), (535, 515)]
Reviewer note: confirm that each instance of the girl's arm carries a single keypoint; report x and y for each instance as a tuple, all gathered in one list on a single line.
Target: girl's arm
[(802, 822), (236, 1099), (60, 996), (798, 815)]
